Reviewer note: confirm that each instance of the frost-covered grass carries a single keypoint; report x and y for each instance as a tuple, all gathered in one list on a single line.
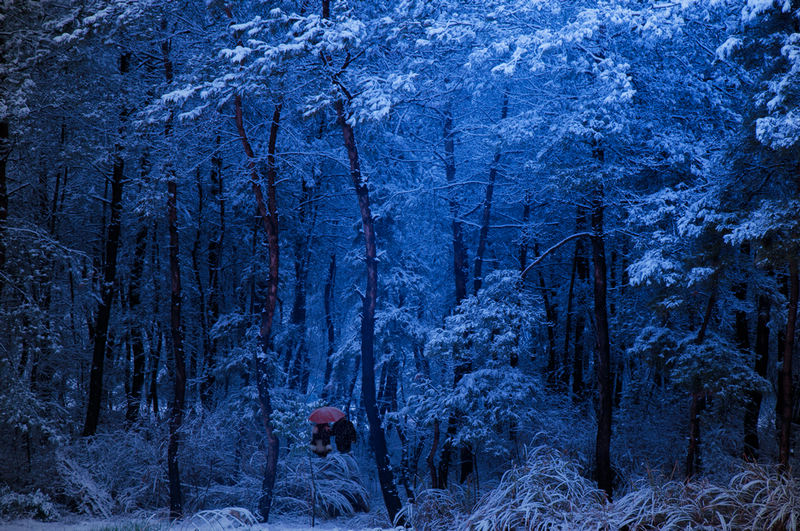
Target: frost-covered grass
[(550, 492)]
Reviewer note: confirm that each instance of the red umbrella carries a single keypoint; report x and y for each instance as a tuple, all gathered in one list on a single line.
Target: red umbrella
[(325, 414)]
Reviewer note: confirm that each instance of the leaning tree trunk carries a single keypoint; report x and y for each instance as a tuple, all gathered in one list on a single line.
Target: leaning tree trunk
[(106, 300), (483, 236), (111, 245), (786, 374), (603, 471), (390, 495)]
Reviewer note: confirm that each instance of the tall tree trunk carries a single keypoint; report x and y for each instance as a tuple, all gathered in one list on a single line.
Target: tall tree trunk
[(5, 150), (754, 397), (568, 322), (786, 374), (214, 272), (106, 299), (268, 214), (390, 495), (137, 344), (299, 374), (179, 380), (111, 241), (201, 291), (603, 471), (328, 302), (582, 270), (483, 236), (699, 396), (176, 328), (459, 251)]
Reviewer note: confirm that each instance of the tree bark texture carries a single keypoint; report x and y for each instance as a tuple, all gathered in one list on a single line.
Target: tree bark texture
[(106, 299), (179, 380), (754, 398), (486, 215), (5, 150), (390, 495), (603, 470), (328, 303), (786, 373)]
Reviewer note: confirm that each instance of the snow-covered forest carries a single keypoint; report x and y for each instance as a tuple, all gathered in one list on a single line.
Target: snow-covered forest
[(542, 254)]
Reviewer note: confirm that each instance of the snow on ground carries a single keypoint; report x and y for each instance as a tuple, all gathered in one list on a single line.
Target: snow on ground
[(282, 523)]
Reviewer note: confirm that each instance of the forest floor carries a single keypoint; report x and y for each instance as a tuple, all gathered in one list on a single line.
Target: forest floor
[(82, 523)]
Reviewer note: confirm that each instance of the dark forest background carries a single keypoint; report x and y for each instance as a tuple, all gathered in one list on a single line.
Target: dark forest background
[(512, 240)]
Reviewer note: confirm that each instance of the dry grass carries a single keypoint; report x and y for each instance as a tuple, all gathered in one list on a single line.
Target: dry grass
[(549, 492)]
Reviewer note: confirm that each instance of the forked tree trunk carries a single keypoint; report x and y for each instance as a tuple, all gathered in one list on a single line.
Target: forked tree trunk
[(603, 471), (268, 214)]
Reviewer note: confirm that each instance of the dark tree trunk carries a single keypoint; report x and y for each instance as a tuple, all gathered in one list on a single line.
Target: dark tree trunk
[(483, 236), (582, 271), (786, 373), (435, 482), (328, 302), (603, 471), (754, 397), (176, 328), (201, 292), (459, 251), (298, 377), (390, 495), (5, 150), (137, 344), (699, 396), (268, 212), (553, 370), (214, 272), (179, 380), (106, 299), (565, 363)]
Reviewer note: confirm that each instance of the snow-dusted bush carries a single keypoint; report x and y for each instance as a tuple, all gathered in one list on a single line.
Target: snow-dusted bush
[(113, 473), (437, 509), (35, 505), (547, 492), (334, 482), (218, 520)]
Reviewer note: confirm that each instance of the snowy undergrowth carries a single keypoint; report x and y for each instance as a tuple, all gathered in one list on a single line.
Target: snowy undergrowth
[(551, 492)]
